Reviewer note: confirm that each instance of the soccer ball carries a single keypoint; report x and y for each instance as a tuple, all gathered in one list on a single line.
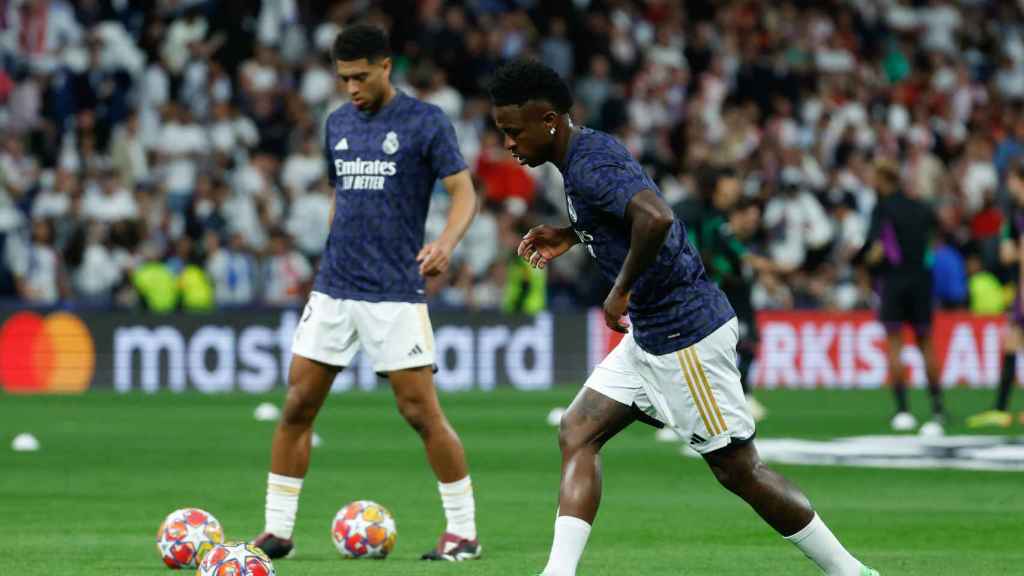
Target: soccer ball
[(364, 529), (236, 560), (186, 536)]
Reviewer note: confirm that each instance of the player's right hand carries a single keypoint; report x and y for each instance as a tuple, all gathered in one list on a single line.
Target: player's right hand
[(544, 243)]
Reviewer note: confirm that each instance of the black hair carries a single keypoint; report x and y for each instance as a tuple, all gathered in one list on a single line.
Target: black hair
[(361, 41), (1017, 168), (745, 203), (520, 81), (709, 176)]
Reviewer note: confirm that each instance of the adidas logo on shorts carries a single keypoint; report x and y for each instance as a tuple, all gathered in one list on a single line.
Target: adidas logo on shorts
[(696, 439), (416, 350)]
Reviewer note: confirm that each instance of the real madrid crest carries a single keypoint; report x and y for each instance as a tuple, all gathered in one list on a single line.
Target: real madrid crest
[(390, 145)]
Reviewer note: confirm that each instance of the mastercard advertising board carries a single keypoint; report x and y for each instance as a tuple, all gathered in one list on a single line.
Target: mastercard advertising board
[(52, 353), (250, 351)]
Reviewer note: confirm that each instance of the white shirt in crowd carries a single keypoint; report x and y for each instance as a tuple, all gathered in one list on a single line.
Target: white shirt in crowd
[(302, 171), (233, 275), (229, 135), (101, 206), (50, 204), (317, 85), (179, 142), (129, 155), (97, 275), (243, 218), (941, 24), (478, 248), (10, 216), (36, 265), (799, 223), (285, 276), (979, 180), (448, 100), (182, 33), (309, 221)]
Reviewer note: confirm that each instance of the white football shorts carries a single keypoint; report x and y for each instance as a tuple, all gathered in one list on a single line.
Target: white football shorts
[(394, 335), (695, 391)]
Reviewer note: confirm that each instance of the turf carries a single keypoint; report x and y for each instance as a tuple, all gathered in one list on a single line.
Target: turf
[(112, 466)]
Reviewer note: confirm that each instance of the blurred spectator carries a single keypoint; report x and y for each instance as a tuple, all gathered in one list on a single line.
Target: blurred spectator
[(38, 272), (286, 273), (95, 279), (109, 201), (987, 296), (196, 290), (54, 201), (304, 168), (950, 277), (232, 270), (503, 177), (525, 288), (182, 141), (157, 286), (128, 152), (209, 117), (19, 172), (430, 85), (796, 221), (556, 50), (309, 218)]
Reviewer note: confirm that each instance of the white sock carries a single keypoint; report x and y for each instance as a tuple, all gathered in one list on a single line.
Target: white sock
[(571, 535), (459, 507), (818, 543), (282, 504)]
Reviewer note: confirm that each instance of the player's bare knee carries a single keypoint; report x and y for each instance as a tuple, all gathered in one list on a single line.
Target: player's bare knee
[(736, 473), (300, 408), (571, 437), (418, 416)]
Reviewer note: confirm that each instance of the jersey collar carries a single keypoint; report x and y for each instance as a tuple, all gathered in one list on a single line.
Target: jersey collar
[(573, 142), (384, 110)]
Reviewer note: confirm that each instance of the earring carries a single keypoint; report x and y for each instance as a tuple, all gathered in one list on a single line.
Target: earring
[(552, 130)]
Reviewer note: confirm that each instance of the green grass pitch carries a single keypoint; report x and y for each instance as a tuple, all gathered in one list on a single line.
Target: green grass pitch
[(112, 466)]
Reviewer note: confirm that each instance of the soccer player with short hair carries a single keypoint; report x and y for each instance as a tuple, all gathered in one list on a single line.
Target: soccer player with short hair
[(899, 247), (677, 363), (1011, 253), (384, 151)]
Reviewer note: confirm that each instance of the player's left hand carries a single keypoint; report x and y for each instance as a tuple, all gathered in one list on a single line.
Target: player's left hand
[(615, 306), (434, 259)]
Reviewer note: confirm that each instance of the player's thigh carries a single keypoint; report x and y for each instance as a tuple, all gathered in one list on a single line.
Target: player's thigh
[(395, 335), (605, 404), (593, 419), (919, 304), (326, 331), (893, 312), (309, 382), (699, 392), (415, 394)]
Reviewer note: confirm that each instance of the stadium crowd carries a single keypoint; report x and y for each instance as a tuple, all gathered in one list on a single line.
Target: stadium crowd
[(168, 153)]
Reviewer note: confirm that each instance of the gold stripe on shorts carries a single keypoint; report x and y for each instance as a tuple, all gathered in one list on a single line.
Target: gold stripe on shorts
[(697, 400), (707, 386), (704, 394), (428, 336)]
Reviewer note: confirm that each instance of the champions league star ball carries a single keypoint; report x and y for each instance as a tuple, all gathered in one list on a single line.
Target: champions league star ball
[(186, 536), (236, 560), (364, 529)]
